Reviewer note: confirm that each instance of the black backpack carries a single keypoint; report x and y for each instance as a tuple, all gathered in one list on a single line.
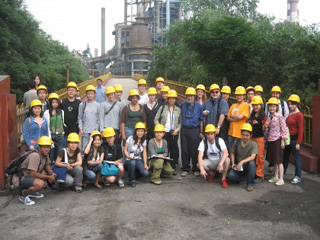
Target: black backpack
[(15, 165), (216, 140)]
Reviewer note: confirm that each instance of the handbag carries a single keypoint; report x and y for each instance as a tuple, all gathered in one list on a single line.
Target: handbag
[(109, 169)]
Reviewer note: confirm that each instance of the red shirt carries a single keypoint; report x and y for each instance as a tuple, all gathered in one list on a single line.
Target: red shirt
[(295, 125)]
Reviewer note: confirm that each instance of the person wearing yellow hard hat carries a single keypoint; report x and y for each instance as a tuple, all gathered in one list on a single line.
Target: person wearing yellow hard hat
[(158, 156), (93, 159), (213, 156), (169, 116), (100, 95), (30, 95), (295, 125), (258, 119), (249, 95), (283, 105), (191, 132), (42, 93), (201, 96), (89, 116), (237, 115), (36, 170), (142, 84), (158, 86), (135, 151), (70, 161), (258, 90), (225, 94), (277, 134), (164, 95), (243, 154), (131, 114), (118, 94), (113, 154), (35, 125), (55, 119), (151, 109)]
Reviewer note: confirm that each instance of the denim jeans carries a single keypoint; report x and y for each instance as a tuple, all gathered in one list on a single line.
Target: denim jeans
[(90, 174), (128, 132), (132, 165), (249, 171), (231, 141), (296, 156), (58, 141)]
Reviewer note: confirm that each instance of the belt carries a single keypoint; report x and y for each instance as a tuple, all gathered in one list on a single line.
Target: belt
[(190, 127)]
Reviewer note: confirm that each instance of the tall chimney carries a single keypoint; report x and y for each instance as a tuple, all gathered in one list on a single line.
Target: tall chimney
[(103, 31), (293, 11)]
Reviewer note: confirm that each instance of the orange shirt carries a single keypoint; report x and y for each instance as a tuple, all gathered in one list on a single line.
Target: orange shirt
[(236, 109)]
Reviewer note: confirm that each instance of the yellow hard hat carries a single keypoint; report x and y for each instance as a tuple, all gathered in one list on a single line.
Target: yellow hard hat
[(35, 102), (152, 91), (210, 128), (159, 128), (142, 82), (73, 137), (53, 96), (133, 92), (165, 89), (201, 87), (109, 90), (78, 89), (159, 79), (190, 91), (42, 87), (258, 88), (214, 86), (140, 125), (273, 101), (109, 132), (44, 141), (172, 93), (294, 98), (90, 88), (240, 90), (249, 88), (246, 127), (118, 88), (226, 89), (95, 132), (257, 100), (72, 84), (276, 89)]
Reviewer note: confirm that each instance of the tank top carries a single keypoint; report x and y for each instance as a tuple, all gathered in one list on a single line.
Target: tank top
[(133, 117)]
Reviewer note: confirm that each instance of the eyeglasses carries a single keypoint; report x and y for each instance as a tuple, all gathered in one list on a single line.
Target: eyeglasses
[(216, 92)]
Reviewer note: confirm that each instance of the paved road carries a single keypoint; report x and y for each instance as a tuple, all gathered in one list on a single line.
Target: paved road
[(127, 84)]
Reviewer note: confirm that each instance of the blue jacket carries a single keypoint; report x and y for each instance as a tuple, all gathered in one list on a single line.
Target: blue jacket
[(33, 131), (191, 116)]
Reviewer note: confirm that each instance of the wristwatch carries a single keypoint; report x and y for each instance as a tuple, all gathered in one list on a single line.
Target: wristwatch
[(219, 127)]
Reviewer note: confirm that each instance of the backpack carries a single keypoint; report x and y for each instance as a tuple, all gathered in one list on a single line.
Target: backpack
[(15, 165), (216, 140), (282, 106)]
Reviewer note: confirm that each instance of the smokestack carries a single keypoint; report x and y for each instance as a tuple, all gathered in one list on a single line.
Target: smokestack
[(103, 31), (293, 11)]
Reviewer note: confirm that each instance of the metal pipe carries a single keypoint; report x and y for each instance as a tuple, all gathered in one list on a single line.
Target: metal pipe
[(103, 31), (167, 14)]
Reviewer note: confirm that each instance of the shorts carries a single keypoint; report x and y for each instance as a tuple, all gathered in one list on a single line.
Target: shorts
[(212, 165), (27, 182)]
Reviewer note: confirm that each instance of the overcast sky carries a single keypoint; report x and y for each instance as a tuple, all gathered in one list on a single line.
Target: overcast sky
[(76, 23)]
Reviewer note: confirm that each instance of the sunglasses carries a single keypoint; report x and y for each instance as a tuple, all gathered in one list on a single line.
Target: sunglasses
[(215, 92)]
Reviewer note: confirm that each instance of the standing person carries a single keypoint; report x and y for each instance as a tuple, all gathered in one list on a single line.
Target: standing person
[(225, 94), (93, 158), (295, 124), (213, 156), (42, 93), (258, 90), (243, 154), (110, 112), (257, 120), (237, 115), (30, 95), (201, 96), (131, 115), (164, 95), (34, 126), (70, 107), (100, 95), (119, 90), (88, 116), (142, 84), (283, 106), (135, 151), (191, 132), (151, 109), (37, 80), (55, 119), (158, 149), (277, 133), (36, 169), (159, 85), (169, 116), (249, 95)]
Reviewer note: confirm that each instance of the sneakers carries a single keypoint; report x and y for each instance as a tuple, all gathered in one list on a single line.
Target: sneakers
[(273, 180), (106, 183), (174, 172), (26, 200), (196, 173), (296, 180), (132, 184), (211, 178), (78, 189), (258, 180), (156, 182), (60, 181), (36, 195), (249, 188), (224, 183), (184, 174), (279, 182), (121, 183)]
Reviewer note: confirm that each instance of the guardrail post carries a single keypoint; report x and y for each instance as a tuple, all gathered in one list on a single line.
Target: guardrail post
[(316, 123)]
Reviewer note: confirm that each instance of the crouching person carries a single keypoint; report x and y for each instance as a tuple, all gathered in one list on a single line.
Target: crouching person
[(113, 155), (93, 158), (213, 156), (157, 147), (36, 169), (243, 155), (70, 161)]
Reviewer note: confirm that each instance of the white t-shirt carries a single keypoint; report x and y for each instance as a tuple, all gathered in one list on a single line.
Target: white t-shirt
[(213, 151), (143, 99), (136, 149)]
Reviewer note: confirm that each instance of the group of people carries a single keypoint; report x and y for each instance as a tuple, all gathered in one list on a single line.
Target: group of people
[(97, 139)]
